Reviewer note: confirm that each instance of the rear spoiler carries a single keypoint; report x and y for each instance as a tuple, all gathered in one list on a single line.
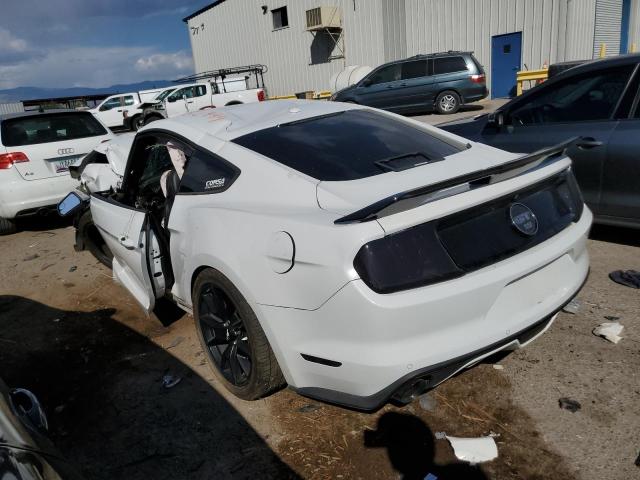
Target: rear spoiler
[(454, 186)]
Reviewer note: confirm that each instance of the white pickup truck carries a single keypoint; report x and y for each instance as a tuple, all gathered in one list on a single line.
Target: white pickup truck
[(124, 110), (213, 89)]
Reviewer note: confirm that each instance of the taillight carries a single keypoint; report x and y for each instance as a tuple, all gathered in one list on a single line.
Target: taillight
[(8, 159), (261, 95), (477, 78)]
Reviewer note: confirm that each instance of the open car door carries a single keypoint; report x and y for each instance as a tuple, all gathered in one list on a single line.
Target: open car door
[(137, 253)]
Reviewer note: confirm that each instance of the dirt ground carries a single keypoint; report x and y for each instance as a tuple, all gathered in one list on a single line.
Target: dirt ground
[(80, 342)]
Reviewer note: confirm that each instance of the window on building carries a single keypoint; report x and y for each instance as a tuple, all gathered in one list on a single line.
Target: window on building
[(280, 18), (448, 65), (415, 69), (577, 99), (386, 74)]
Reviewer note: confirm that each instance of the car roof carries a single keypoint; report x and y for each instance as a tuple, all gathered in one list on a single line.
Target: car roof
[(439, 54), (230, 122), (35, 113), (599, 63)]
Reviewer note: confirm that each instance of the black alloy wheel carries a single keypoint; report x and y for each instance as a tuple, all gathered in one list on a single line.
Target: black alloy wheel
[(225, 335)]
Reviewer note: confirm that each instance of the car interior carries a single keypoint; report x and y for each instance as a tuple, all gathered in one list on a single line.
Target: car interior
[(591, 97)]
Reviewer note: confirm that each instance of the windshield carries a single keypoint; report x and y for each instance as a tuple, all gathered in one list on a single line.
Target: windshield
[(164, 94), (49, 127), (348, 145)]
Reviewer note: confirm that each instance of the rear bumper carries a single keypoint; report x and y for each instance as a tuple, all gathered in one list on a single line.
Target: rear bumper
[(24, 197), (361, 348), (476, 94), (417, 382)]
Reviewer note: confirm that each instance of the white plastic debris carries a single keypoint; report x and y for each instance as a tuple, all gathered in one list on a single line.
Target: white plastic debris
[(498, 367), (609, 330), (427, 402), (572, 307), (474, 450)]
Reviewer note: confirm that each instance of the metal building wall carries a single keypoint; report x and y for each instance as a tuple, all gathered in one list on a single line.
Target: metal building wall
[(607, 27), (552, 30), (236, 32), (579, 29), (634, 25), (14, 107), (394, 31)]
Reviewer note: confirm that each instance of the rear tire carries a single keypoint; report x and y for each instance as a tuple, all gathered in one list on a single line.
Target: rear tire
[(232, 338), (7, 226), (448, 102)]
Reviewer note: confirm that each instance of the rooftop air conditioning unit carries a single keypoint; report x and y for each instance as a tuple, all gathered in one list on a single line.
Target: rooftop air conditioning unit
[(320, 18)]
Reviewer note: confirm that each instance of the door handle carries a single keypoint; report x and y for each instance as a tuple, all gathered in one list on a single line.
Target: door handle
[(119, 110), (586, 143), (126, 243), (389, 86), (190, 101)]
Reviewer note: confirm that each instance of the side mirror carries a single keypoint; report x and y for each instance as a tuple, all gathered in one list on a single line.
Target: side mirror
[(69, 204), (495, 119), (171, 99), (103, 108), (366, 82)]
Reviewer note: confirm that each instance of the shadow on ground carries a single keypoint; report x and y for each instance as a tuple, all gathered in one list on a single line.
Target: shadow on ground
[(620, 235), (101, 385), (463, 108), (36, 223), (410, 445)]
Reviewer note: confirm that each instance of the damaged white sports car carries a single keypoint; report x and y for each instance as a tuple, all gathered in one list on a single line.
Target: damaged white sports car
[(351, 253)]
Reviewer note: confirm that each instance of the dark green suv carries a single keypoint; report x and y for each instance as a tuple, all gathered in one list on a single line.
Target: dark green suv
[(437, 81)]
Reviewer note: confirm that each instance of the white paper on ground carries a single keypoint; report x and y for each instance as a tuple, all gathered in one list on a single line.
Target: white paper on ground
[(474, 450), (609, 330)]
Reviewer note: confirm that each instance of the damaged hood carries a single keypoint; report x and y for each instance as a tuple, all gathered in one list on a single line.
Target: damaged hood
[(117, 152), (344, 197)]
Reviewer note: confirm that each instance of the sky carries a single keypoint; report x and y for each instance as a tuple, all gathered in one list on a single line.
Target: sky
[(93, 43)]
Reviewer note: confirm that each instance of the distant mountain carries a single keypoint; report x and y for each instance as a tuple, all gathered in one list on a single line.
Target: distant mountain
[(31, 93)]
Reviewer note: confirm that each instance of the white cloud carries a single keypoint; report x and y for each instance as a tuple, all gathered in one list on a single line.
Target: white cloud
[(95, 67), (13, 48), (158, 63)]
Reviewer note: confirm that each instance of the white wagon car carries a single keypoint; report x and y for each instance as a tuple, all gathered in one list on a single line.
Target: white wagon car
[(351, 253), (36, 150)]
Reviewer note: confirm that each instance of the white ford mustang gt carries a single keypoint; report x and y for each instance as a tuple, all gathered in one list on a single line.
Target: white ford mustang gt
[(351, 253)]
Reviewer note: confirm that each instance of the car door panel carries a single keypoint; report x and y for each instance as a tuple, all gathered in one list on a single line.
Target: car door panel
[(127, 233), (414, 90), (177, 106), (587, 162), (621, 172), (113, 117), (382, 92)]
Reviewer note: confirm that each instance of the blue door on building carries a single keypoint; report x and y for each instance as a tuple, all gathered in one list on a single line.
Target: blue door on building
[(506, 55)]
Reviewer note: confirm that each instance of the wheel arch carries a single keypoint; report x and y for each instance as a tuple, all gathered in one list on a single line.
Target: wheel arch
[(151, 115), (211, 263)]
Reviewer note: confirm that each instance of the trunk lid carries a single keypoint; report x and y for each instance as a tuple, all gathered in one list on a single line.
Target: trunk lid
[(398, 200), (346, 197)]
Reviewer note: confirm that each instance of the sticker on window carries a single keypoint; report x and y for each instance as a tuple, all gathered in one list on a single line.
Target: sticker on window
[(217, 183)]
